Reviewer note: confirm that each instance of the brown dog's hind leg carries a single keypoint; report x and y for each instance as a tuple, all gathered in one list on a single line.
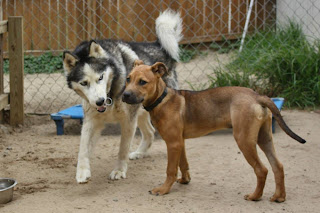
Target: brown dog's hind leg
[(246, 135), (184, 168), (265, 142), (174, 149)]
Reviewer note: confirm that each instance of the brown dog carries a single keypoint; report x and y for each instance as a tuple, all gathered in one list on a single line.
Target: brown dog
[(181, 114)]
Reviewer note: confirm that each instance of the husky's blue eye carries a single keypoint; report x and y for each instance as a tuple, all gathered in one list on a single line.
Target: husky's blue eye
[(142, 82), (128, 80), (101, 77), (84, 83)]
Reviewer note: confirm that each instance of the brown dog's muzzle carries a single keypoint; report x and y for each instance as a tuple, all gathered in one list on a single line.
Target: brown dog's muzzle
[(130, 98)]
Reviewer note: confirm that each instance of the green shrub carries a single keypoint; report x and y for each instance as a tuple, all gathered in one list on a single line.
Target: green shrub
[(45, 63), (283, 59)]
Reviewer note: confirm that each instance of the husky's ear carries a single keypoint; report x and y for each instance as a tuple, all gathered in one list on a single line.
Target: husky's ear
[(96, 50), (137, 63), (159, 69), (69, 61)]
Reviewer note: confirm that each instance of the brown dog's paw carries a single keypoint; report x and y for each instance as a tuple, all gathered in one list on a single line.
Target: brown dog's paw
[(251, 197), (159, 191), (277, 199), (185, 179)]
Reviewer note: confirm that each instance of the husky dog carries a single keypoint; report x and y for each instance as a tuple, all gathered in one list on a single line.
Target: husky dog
[(97, 70)]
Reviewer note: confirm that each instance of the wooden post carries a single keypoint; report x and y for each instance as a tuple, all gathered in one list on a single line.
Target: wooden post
[(16, 63), (3, 97), (1, 67)]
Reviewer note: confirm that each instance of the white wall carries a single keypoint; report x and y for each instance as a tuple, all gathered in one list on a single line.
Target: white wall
[(306, 12)]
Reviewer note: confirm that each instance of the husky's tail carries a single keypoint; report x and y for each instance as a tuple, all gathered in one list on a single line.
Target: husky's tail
[(168, 29)]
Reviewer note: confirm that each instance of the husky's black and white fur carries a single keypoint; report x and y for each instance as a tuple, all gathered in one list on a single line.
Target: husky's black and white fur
[(97, 70)]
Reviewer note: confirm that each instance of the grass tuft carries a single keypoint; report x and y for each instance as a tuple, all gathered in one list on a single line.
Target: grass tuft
[(279, 62)]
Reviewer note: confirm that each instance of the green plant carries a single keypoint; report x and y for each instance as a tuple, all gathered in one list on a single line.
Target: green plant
[(186, 54), (284, 60), (225, 46), (197, 86), (45, 63)]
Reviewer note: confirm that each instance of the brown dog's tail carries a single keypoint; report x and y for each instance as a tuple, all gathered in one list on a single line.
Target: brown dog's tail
[(265, 101)]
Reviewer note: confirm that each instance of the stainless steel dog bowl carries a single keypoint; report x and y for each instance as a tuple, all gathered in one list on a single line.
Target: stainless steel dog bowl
[(6, 189)]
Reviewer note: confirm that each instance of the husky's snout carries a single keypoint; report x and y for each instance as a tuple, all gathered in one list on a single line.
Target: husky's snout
[(100, 101), (101, 105)]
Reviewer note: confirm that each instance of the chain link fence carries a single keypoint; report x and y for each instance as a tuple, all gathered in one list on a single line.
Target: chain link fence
[(212, 34)]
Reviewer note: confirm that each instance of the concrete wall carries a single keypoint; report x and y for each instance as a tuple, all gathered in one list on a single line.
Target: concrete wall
[(305, 12)]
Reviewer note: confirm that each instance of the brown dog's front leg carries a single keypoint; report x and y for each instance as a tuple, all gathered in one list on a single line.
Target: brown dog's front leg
[(174, 150), (184, 167)]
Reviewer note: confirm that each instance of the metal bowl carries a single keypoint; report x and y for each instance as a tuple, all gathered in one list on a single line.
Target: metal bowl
[(6, 189)]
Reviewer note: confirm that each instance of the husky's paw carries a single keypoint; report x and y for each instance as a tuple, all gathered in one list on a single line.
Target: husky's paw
[(137, 155), (83, 175), (117, 175)]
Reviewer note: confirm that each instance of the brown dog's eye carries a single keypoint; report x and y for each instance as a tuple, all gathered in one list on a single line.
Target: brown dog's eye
[(142, 82), (128, 80), (84, 83)]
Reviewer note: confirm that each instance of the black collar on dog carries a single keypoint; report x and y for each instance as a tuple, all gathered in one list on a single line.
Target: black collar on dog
[(157, 102)]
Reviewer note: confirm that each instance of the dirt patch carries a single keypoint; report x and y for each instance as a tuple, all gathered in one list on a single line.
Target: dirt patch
[(44, 165), (30, 188)]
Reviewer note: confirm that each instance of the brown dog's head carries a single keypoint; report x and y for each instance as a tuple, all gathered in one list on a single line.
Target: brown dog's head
[(143, 83)]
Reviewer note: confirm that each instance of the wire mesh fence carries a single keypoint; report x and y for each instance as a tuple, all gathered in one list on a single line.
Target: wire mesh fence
[(212, 32)]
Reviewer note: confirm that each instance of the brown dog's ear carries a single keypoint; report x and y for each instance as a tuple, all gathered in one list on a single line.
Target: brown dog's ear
[(137, 63), (96, 50), (159, 68), (69, 61)]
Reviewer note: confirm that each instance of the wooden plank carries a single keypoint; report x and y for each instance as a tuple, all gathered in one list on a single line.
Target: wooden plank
[(1, 65), (28, 19), (71, 25), (252, 22), (270, 14), (260, 14), (113, 21), (3, 27), (224, 16), (235, 23), (4, 101), (141, 29), (104, 19), (209, 21), (125, 19), (16, 62), (54, 25), (199, 18), (62, 16), (1, 61), (43, 20), (242, 14), (217, 17), (1, 77), (210, 38)]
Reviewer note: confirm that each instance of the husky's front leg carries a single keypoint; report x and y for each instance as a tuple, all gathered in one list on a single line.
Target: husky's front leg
[(128, 129), (147, 132), (89, 135)]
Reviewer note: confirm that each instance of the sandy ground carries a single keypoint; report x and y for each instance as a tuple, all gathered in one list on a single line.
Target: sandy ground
[(44, 165)]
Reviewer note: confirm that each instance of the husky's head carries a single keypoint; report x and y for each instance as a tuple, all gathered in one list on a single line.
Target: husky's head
[(89, 73)]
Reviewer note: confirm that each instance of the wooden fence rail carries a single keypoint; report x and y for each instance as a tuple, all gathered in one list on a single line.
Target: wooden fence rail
[(62, 24), (14, 27)]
